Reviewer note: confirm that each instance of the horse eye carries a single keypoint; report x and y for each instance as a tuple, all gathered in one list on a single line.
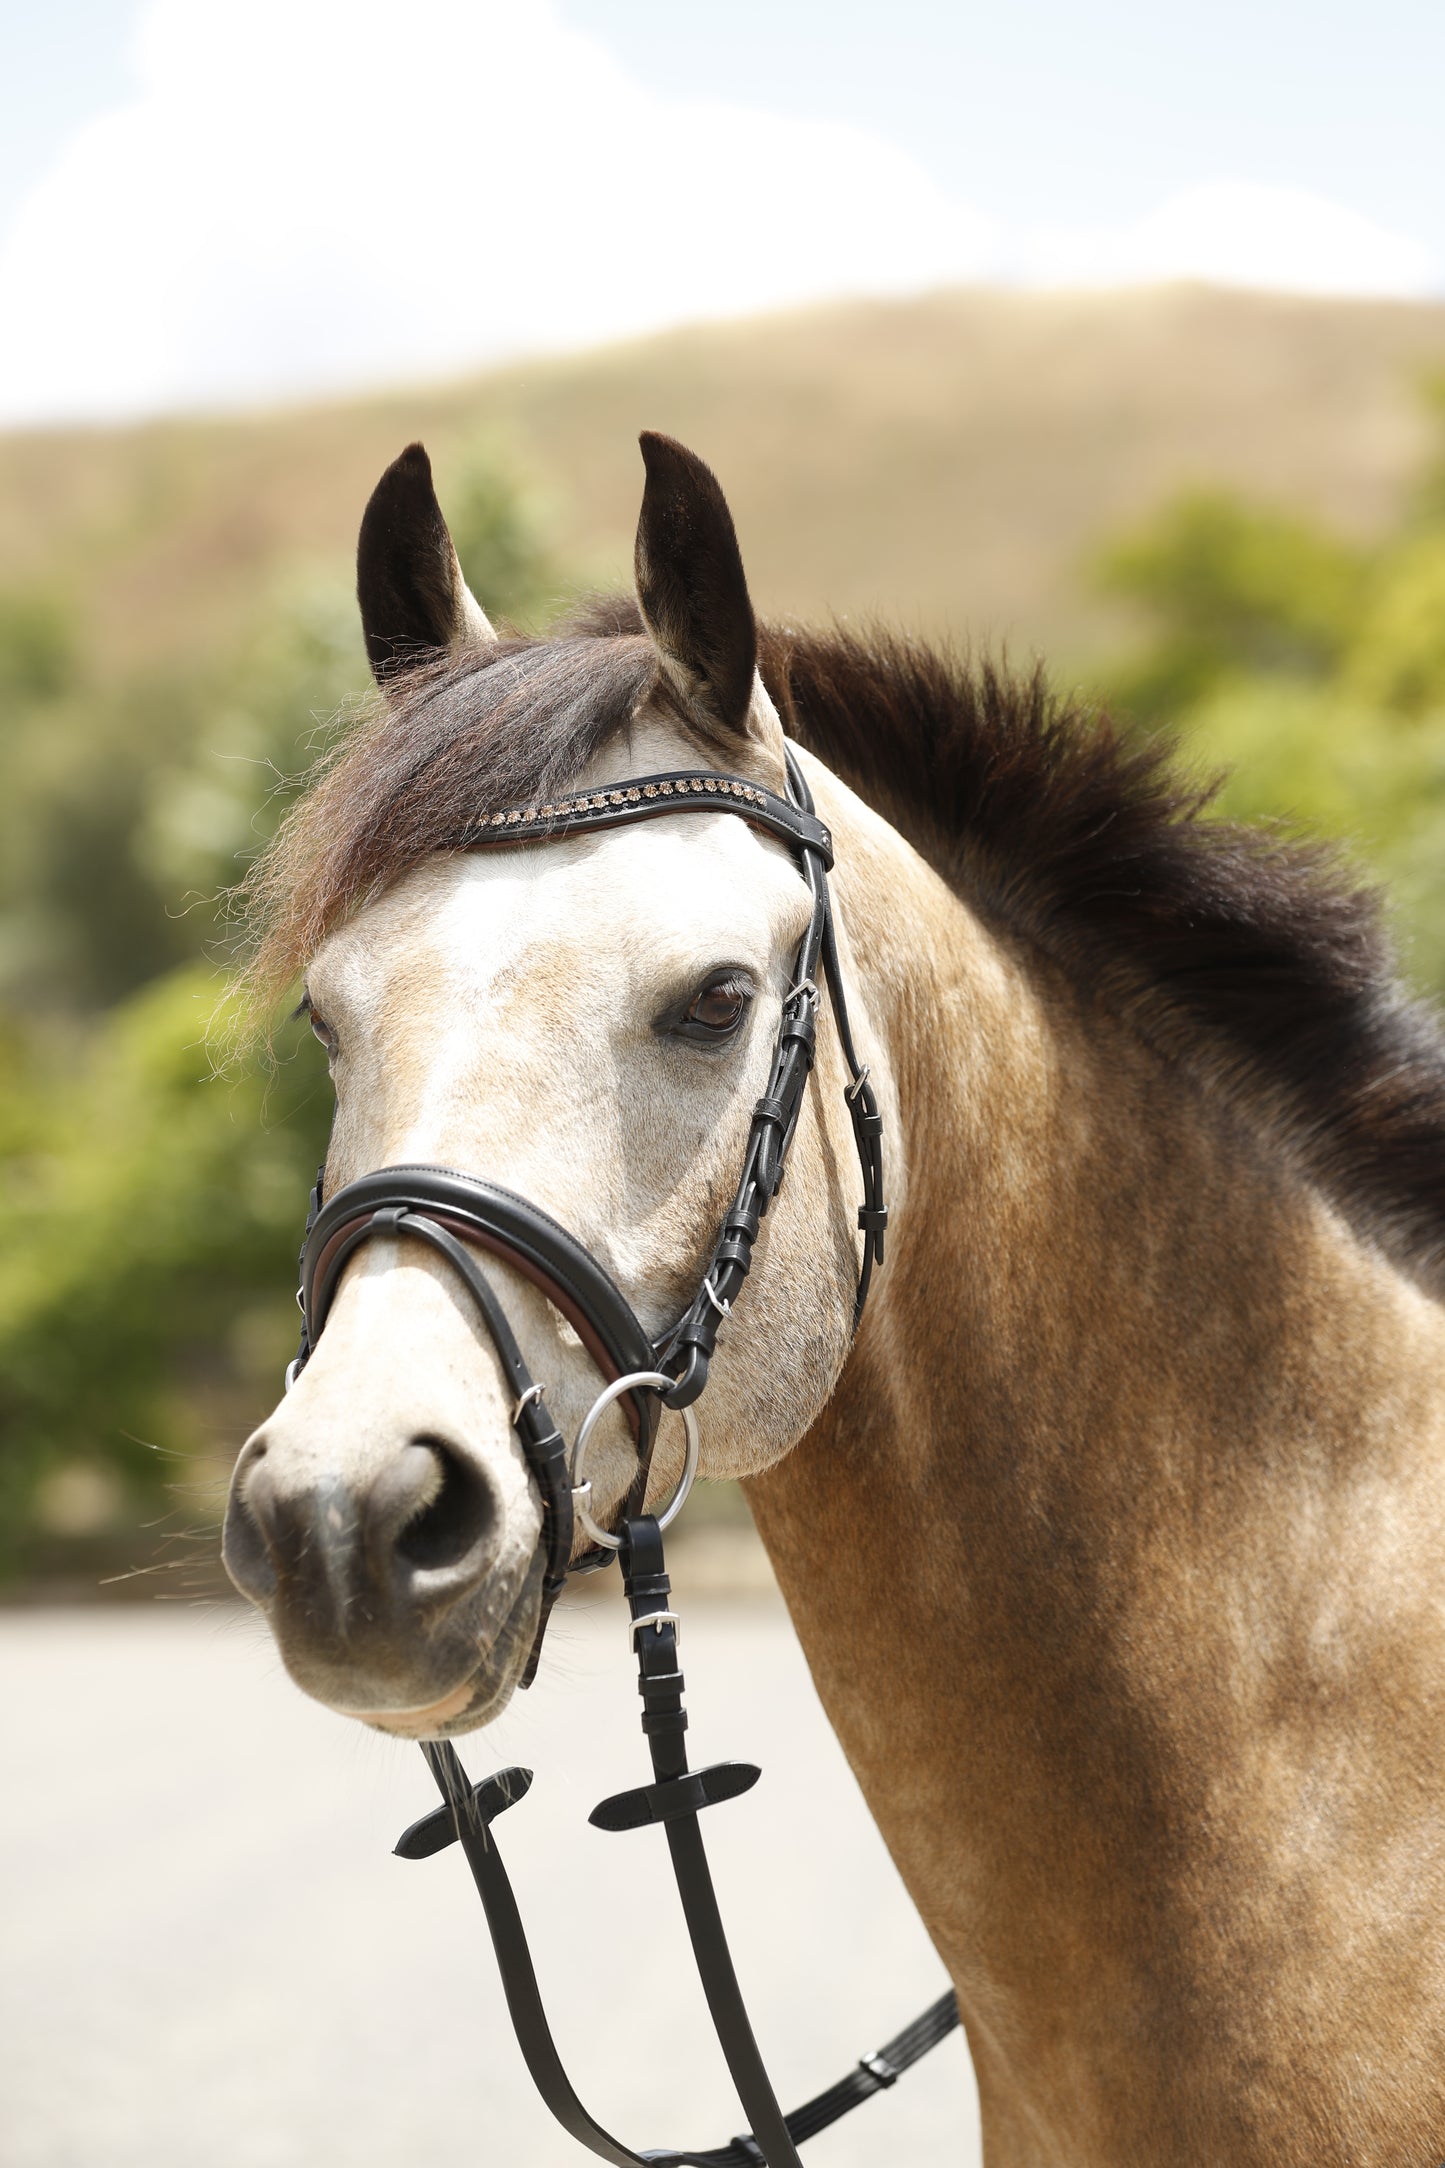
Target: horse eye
[(719, 1007), (319, 1025)]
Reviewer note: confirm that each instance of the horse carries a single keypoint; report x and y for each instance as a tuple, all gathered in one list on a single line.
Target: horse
[(1113, 1537)]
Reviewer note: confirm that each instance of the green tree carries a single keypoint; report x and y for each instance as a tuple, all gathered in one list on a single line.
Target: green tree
[(498, 533), (150, 1206), (39, 649), (1311, 671), (1230, 587), (127, 808)]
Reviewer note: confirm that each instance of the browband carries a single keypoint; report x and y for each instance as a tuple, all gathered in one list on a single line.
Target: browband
[(683, 790)]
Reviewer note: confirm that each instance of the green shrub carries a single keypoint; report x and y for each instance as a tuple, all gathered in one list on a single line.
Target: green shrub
[(148, 1204), (1312, 669)]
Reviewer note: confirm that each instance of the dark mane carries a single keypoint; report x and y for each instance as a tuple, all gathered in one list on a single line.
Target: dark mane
[(1083, 841), (1095, 846)]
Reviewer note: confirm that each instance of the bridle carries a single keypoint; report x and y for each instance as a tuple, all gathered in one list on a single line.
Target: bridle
[(457, 1214), (448, 1210)]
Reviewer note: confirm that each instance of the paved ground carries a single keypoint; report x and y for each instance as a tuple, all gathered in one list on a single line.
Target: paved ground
[(208, 1960)]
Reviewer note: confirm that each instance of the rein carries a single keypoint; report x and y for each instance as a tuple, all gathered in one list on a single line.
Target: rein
[(456, 1214)]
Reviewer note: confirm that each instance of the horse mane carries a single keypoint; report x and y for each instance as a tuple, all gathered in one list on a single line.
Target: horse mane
[(1257, 949), (1262, 950)]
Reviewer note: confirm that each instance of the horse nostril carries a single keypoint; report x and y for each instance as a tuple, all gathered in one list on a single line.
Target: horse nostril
[(456, 1519), (337, 1554), (245, 1550)]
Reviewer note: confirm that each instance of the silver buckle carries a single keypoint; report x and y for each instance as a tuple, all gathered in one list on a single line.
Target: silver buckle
[(533, 1392), (656, 1620), (716, 1299)]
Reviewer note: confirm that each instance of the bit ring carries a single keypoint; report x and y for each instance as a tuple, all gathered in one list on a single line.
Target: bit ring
[(658, 1380)]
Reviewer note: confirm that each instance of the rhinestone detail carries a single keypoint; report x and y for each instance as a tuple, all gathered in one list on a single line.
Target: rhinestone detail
[(562, 809)]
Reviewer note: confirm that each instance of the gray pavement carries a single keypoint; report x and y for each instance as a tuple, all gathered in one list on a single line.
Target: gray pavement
[(209, 1960)]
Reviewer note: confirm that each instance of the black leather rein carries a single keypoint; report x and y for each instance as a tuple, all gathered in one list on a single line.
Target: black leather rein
[(456, 1215)]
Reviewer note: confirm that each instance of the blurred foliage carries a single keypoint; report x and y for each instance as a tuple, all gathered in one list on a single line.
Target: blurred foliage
[(1310, 668), (1231, 588), (497, 529), (130, 806), (150, 1208), (37, 648)]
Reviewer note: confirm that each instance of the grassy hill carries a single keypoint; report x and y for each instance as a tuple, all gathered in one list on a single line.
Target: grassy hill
[(947, 461)]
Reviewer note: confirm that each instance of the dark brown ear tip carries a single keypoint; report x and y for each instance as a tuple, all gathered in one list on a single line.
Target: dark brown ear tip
[(663, 456), (409, 475)]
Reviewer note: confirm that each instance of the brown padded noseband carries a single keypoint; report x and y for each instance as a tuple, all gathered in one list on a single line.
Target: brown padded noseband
[(509, 1227)]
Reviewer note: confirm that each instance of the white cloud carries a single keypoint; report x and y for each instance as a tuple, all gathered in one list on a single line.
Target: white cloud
[(315, 192), (311, 194), (1237, 233)]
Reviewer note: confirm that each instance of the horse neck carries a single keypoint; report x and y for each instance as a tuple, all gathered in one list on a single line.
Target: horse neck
[(1120, 1531)]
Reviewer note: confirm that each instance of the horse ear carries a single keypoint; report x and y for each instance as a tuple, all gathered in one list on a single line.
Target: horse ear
[(408, 581), (693, 593)]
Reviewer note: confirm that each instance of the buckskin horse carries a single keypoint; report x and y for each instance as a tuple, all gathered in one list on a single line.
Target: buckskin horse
[(1115, 1535)]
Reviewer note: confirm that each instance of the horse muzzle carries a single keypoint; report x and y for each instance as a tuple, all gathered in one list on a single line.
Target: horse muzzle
[(396, 1595)]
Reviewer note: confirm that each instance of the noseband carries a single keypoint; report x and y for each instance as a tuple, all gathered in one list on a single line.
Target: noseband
[(456, 1215)]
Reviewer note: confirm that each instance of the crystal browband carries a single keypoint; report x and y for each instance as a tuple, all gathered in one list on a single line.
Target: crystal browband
[(633, 795), (653, 794)]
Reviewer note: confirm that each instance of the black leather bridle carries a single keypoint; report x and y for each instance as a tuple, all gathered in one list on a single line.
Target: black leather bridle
[(456, 1215)]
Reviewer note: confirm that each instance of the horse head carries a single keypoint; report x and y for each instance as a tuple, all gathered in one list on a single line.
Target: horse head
[(588, 1021)]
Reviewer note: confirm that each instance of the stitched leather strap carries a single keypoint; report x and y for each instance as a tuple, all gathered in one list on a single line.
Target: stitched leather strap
[(664, 1721), (439, 1207), (675, 1798), (693, 1339), (647, 797), (871, 2074), (473, 1809), (512, 1228)]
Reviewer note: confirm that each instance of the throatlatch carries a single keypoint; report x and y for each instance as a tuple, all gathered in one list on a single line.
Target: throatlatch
[(455, 1214)]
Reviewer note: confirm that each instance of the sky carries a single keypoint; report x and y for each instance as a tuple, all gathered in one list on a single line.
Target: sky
[(203, 205)]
